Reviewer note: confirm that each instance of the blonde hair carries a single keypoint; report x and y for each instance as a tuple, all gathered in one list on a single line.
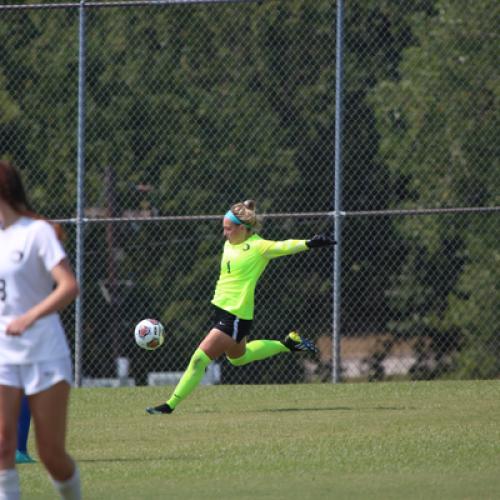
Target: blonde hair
[(246, 212)]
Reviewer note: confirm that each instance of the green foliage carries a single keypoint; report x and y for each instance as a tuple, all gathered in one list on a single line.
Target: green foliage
[(437, 127), (42, 137), (192, 107), (438, 123), (473, 308)]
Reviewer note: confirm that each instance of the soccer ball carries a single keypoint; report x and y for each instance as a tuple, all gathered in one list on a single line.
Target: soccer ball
[(149, 334)]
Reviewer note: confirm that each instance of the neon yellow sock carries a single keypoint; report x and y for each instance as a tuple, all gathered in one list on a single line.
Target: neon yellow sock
[(259, 349), (191, 378)]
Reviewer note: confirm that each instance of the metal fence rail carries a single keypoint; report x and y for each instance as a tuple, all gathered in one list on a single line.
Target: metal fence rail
[(137, 123), (113, 4)]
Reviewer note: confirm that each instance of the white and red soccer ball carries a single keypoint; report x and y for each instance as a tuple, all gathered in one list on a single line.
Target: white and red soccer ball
[(149, 334)]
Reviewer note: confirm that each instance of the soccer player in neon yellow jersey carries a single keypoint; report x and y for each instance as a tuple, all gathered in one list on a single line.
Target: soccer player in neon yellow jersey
[(245, 257)]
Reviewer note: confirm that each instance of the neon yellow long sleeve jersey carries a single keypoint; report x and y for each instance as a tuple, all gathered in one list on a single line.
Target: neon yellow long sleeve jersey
[(241, 267)]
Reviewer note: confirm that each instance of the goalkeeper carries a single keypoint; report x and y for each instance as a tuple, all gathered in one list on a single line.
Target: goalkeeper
[(245, 257)]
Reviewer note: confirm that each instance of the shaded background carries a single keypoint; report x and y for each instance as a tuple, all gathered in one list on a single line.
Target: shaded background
[(190, 108)]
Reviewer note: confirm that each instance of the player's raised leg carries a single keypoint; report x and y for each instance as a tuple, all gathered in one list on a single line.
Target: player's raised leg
[(262, 349)]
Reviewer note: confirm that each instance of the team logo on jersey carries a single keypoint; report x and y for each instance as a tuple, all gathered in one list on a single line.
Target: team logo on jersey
[(246, 247), (16, 256)]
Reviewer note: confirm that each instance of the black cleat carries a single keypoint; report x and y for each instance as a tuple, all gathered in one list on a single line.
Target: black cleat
[(295, 342), (159, 410)]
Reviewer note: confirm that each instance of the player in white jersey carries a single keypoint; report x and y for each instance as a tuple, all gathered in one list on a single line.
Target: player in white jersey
[(36, 281)]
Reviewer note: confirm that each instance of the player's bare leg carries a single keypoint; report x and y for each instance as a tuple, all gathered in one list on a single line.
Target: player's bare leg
[(10, 397), (49, 411), (10, 402)]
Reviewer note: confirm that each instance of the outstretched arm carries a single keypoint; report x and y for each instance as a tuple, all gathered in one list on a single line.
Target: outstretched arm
[(273, 249)]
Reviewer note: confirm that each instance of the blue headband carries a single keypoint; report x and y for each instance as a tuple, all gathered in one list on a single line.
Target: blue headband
[(229, 215)]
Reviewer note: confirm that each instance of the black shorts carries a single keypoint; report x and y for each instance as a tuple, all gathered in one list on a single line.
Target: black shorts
[(233, 326)]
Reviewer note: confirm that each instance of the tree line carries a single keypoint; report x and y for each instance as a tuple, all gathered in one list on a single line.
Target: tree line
[(190, 108)]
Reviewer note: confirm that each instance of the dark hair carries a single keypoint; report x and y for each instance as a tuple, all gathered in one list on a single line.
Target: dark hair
[(11, 187), (13, 193)]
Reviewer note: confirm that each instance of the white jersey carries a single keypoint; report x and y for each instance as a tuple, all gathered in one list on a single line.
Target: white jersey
[(29, 250)]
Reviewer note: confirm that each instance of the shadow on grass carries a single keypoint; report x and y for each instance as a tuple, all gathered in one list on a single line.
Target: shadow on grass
[(138, 459), (338, 408)]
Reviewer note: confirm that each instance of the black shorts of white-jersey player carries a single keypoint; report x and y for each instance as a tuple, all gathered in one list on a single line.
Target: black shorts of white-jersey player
[(245, 256)]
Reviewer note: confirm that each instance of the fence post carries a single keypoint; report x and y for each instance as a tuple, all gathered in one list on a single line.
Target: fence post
[(80, 202), (338, 214)]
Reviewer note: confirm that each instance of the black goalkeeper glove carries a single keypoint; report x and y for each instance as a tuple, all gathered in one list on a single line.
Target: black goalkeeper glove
[(320, 241)]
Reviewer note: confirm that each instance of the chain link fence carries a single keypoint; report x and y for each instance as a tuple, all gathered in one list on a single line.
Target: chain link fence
[(137, 124)]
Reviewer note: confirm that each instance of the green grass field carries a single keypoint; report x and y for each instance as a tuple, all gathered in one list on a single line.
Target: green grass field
[(375, 441)]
